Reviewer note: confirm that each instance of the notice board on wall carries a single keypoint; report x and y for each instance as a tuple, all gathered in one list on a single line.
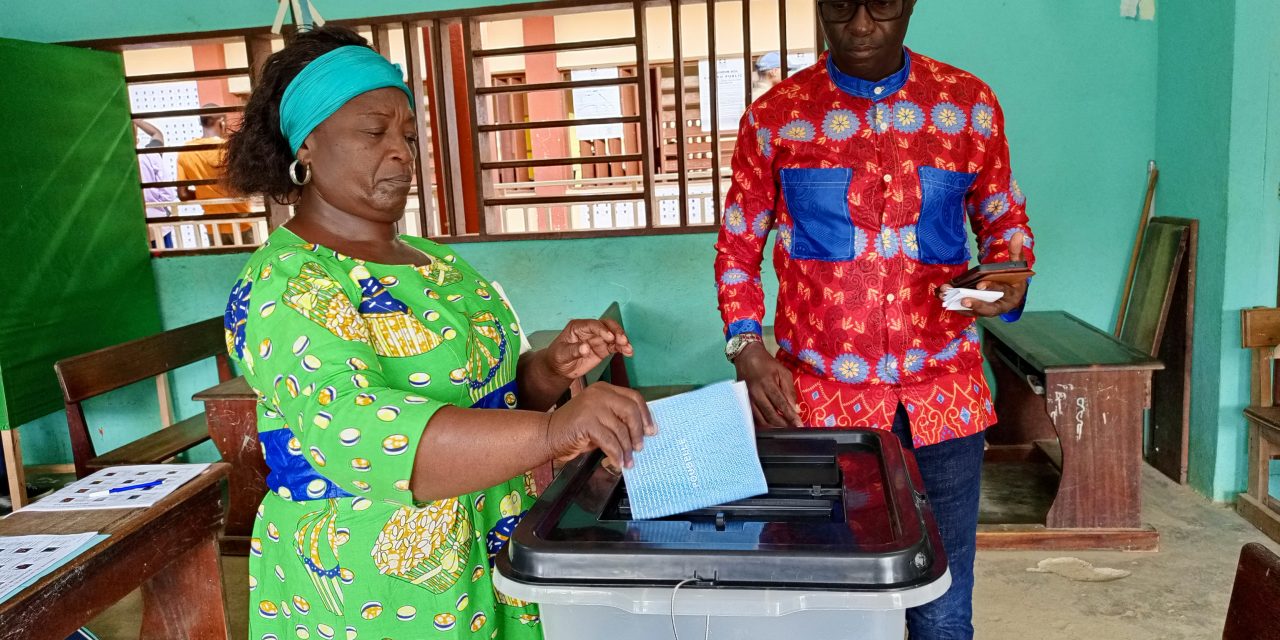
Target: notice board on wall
[(72, 231)]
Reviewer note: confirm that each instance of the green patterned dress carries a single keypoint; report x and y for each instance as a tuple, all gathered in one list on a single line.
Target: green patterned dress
[(349, 360)]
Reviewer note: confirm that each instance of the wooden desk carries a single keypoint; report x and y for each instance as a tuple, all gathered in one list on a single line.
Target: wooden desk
[(1074, 396), (230, 409), (170, 550)]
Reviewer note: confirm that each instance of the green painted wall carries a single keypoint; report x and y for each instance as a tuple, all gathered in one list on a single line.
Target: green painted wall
[(1217, 141), (1253, 221), (1081, 119), (1193, 122), (1081, 138)]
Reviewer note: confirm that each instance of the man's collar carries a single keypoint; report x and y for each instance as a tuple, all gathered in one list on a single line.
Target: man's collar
[(874, 91)]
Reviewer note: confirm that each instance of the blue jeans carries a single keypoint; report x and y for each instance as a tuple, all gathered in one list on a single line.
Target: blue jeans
[(952, 472)]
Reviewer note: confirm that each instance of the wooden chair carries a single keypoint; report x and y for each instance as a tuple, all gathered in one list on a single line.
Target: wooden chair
[(1255, 596), (98, 372), (1260, 332)]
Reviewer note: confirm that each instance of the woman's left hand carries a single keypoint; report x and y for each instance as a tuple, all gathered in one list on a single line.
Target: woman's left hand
[(583, 344)]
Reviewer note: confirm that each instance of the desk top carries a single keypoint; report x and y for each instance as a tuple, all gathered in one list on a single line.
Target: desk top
[(236, 388), (119, 524), (1059, 341)]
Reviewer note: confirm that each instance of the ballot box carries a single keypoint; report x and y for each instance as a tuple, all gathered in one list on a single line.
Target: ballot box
[(841, 545)]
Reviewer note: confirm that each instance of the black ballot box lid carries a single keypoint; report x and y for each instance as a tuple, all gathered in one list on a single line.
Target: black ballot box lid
[(846, 510)]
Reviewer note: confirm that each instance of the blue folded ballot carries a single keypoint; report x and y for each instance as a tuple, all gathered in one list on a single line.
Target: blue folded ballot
[(704, 454)]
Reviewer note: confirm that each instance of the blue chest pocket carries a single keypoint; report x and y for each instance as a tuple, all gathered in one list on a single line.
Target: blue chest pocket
[(941, 229), (818, 200)]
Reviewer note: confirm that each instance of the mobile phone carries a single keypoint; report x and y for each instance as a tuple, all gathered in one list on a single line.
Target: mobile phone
[(1011, 272)]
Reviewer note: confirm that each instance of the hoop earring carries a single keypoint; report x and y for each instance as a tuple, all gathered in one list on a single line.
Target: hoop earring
[(293, 174)]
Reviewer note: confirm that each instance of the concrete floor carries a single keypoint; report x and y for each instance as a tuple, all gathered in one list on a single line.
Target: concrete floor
[(1180, 592)]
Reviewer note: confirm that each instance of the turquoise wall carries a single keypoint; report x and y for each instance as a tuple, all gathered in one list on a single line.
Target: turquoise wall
[(1080, 156), (1193, 123), (1253, 221), (1083, 119), (1216, 123)]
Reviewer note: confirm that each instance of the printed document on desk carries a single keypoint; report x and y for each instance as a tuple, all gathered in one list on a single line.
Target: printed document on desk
[(78, 495), (704, 454), (25, 559)]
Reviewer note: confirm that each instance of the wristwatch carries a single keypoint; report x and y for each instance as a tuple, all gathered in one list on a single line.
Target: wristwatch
[(739, 342)]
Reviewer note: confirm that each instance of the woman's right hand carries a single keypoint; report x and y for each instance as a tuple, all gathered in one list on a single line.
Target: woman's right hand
[(771, 387), (612, 419)]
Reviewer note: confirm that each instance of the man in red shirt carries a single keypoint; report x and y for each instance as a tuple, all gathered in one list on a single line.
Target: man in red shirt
[(867, 164)]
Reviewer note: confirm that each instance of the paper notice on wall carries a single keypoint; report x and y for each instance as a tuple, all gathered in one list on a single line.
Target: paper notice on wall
[(1140, 9), (731, 93), (597, 102)]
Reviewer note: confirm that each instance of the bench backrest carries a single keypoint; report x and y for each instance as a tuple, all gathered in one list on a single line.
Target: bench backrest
[(1260, 332), (110, 368), (98, 372), (1255, 596)]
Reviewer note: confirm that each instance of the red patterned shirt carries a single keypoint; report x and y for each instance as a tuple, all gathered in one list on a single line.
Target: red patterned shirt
[(868, 185)]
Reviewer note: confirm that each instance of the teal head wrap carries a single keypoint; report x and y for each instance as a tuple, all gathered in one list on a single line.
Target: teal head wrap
[(329, 82)]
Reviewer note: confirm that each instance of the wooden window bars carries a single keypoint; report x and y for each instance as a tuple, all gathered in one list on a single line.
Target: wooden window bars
[(571, 118)]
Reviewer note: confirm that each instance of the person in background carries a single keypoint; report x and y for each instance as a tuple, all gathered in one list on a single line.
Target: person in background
[(867, 164), (768, 74), (769, 71), (208, 164), (151, 168)]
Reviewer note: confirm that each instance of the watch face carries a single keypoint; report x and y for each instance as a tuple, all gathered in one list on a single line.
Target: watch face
[(733, 347)]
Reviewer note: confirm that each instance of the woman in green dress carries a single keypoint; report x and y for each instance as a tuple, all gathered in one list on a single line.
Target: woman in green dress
[(398, 407)]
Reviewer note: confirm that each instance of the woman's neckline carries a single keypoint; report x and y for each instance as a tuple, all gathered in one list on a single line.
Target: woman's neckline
[(429, 258)]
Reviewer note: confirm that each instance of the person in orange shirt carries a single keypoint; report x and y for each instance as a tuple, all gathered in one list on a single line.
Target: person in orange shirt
[(208, 164)]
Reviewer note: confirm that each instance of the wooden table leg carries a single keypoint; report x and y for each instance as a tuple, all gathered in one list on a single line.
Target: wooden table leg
[(184, 600), (233, 427), (1098, 416), (13, 465)]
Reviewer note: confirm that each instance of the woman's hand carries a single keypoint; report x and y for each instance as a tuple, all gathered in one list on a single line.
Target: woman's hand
[(583, 344), (612, 419), (771, 387)]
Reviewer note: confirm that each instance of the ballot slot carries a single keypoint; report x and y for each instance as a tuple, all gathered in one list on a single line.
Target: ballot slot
[(841, 512), (805, 484)]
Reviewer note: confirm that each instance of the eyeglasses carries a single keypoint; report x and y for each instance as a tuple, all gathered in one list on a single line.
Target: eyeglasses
[(838, 11)]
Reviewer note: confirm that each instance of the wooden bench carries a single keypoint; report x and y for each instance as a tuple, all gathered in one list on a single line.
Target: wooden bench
[(1255, 596), (1260, 332), (99, 372), (1074, 396)]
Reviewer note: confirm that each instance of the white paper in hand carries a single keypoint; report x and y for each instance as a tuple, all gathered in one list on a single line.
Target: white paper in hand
[(704, 454), (951, 300)]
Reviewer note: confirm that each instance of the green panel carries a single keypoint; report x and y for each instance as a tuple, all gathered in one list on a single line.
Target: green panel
[(1163, 247), (73, 211)]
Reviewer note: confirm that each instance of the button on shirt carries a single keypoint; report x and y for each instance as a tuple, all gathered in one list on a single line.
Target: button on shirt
[(868, 186)]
